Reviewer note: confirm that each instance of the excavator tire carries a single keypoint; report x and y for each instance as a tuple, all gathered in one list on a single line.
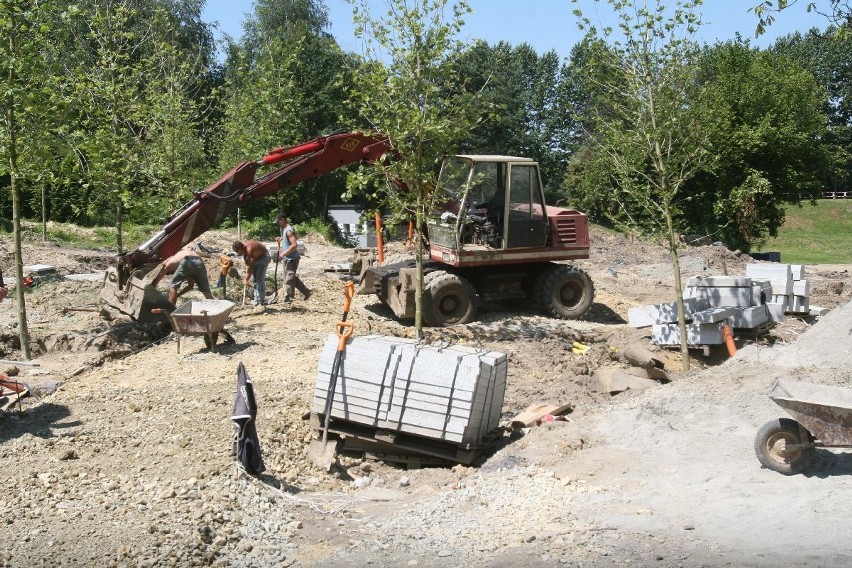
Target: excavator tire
[(448, 299), (564, 292)]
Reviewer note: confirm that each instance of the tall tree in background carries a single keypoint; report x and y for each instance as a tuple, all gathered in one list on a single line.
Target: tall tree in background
[(173, 119), (409, 100), (106, 85), (838, 12), (520, 97), (286, 79), (765, 125), (648, 141), (826, 56)]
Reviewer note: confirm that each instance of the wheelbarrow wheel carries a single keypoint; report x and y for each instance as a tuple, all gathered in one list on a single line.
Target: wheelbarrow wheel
[(210, 339), (780, 446)]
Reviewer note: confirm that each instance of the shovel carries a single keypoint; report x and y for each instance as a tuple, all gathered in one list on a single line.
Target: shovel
[(275, 274), (321, 453)]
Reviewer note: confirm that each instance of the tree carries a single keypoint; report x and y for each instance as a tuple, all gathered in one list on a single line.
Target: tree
[(765, 125), (24, 33), (408, 99), (172, 121), (107, 85), (290, 62), (647, 140), (838, 12), (520, 95), (826, 55)]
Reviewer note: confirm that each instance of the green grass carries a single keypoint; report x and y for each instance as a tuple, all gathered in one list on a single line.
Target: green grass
[(67, 234), (820, 234)]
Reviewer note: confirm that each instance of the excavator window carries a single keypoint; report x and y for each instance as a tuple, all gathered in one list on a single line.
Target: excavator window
[(527, 221)]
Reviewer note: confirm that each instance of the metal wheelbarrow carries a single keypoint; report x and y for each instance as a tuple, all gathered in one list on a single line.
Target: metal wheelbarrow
[(822, 418), (201, 317)]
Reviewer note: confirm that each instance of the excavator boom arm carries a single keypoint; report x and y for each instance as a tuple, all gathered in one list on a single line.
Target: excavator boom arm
[(128, 289)]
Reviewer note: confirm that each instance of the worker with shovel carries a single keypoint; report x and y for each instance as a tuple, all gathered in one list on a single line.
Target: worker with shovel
[(288, 247), (256, 256)]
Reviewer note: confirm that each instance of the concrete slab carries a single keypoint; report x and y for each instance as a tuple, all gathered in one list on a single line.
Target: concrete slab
[(720, 281), (749, 318), (775, 312), (801, 288), (721, 297), (713, 315), (696, 334), (769, 271)]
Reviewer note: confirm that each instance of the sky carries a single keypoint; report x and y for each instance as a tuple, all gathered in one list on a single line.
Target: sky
[(544, 24)]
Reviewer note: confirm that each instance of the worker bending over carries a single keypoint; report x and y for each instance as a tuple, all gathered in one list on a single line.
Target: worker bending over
[(187, 267)]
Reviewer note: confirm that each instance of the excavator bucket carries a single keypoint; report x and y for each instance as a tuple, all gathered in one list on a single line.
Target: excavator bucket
[(136, 298)]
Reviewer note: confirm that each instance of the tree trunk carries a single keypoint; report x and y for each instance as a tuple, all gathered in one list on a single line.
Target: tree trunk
[(43, 213), (118, 238), (418, 255), (11, 129), (681, 311)]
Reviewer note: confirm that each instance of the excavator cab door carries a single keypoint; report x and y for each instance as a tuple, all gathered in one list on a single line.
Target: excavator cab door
[(526, 224)]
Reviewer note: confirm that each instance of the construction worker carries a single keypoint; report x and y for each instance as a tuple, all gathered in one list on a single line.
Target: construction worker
[(3, 290), (288, 247), (187, 267), (257, 259)]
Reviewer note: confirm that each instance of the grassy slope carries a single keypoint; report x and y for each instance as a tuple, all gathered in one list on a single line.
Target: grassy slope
[(820, 234)]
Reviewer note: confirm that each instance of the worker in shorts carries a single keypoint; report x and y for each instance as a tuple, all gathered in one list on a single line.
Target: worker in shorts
[(289, 254), (187, 268)]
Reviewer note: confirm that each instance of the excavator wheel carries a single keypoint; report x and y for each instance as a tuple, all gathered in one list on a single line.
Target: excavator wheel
[(448, 299), (564, 292)]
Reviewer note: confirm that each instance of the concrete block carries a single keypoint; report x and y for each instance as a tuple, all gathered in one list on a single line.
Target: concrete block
[(782, 300), (719, 281), (799, 305), (797, 271), (801, 287), (775, 312), (721, 297), (713, 315), (644, 316), (749, 318), (452, 393), (784, 287), (696, 334), (818, 311), (769, 271), (761, 291)]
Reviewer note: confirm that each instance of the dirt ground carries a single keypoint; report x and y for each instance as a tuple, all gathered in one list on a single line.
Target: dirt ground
[(124, 459)]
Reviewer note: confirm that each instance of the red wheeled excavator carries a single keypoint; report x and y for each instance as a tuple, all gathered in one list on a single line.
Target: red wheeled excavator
[(492, 238)]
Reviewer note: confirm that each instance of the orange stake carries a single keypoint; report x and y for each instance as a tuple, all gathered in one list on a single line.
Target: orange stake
[(379, 240), (729, 340), (410, 240)]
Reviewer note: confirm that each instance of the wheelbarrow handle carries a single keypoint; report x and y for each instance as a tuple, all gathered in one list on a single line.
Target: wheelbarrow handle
[(344, 331)]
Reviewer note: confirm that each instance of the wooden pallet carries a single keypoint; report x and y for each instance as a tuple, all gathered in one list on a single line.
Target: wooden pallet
[(401, 447), (705, 349)]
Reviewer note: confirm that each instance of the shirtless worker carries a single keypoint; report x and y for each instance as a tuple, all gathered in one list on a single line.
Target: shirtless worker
[(187, 267), (256, 257)]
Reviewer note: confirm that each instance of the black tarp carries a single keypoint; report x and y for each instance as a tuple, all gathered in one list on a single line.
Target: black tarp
[(246, 449)]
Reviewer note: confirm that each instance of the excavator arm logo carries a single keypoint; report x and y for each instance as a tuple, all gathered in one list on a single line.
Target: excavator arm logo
[(350, 144)]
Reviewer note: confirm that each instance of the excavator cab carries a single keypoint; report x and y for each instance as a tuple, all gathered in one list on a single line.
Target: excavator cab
[(489, 202)]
